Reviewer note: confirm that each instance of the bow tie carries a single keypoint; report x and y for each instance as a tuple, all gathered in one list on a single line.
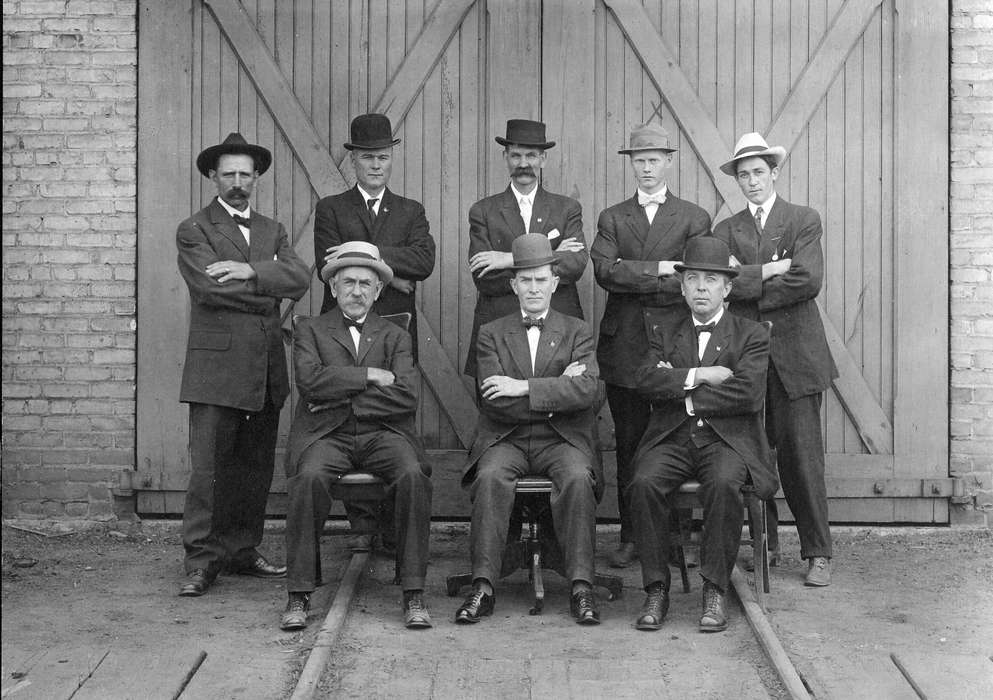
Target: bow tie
[(357, 325), (538, 323), (241, 220), (705, 328), (645, 200)]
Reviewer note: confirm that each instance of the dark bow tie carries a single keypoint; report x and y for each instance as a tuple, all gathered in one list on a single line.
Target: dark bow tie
[(242, 220), (705, 328), (357, 325), (538, 323)]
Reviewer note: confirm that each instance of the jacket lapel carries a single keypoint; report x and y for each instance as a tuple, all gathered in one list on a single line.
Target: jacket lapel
[(665, 219), (549, 342), (226, 226), (718, 341), (684, 348), (360, 210), (341, 334), (539, 212), (511, 212), (372, 328), (516, 339), (637, 221), (384, 212), (773, 243)]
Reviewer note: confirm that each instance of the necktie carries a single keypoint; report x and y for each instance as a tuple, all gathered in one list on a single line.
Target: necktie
[(525, 212), (758, 220), (241, 220), (372, 208), (645, 200), (357, 325), (538, 323), (705, 328)]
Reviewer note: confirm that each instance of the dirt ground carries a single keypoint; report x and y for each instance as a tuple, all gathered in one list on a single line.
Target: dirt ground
[(103, 603)]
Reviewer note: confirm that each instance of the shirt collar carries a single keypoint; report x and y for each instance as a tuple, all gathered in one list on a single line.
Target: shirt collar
[(717, 317), (232, 211), (518, 196), (366, 196), (543, 314), (664, 192), (766, 206)]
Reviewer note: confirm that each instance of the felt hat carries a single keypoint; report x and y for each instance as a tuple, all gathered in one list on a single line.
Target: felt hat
[(706, 253), (357, 254), (648, 137), (370, 132), (750, 145), (234, 143), (532, 250), (524, 132)]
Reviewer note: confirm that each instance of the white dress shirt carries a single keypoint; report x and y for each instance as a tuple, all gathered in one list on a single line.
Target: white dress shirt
[(366, 197), (652, 207), (526, 204), (534, 335), (766, 208), (702, 340), (247, 214)]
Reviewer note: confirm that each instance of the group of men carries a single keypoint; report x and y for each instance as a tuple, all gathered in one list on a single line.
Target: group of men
[(698, 388)]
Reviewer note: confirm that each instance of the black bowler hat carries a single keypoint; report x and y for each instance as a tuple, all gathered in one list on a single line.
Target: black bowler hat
[(524, 132), (371, 132), (706, 253), (234, 143)]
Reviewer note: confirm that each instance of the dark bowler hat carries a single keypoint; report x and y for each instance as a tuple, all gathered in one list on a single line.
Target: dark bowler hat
[(706, 253), (532, 250), (648, 137), (371, 132), (524, 132), (234, 143)]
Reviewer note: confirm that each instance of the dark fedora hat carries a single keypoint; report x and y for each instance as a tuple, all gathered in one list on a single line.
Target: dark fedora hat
[(234, 143), (532, 250), (370, 132), (524, 132), (706, 253)]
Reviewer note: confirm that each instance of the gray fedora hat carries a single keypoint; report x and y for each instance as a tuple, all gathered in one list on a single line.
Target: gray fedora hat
[(648, 137)]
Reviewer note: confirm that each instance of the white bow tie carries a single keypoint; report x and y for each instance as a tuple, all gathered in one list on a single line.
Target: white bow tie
[(645, 200)]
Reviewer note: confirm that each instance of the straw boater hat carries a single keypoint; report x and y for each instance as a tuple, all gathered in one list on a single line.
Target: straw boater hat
[(370, 132), (234, 143), (648, 137), (750, 145), (532, 250), (357, 254), (706, 253), (524, 132)]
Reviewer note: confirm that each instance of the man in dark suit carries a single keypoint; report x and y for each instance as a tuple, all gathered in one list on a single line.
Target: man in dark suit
[(524, 207), (637, 245), (538, 382), (238, 265), (358, 398), (777, 246), (705, 380)]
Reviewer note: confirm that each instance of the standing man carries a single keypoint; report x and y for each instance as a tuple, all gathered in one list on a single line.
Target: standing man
[(778, 248), (637, 245), (705, 379), (238, 265), (538, 384), (358, 397), (524, 207)]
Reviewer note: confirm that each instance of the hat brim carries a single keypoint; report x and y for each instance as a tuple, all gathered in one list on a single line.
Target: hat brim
[(374, 146), (729, 271), (538, 262), (381, 268), (543, 145), (207, 160), (731, 169), (639, 149)]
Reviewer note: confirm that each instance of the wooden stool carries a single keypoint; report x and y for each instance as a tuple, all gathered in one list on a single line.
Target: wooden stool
[(537, 549), (359, 486)]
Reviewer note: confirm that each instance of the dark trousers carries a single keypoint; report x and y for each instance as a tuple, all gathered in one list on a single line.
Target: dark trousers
[(392, 458), (661, 470), (630, 411), (794, 430), (533, 451), (231, 455)]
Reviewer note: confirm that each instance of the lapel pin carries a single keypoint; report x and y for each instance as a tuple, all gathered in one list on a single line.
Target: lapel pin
[(551, 344), (775, 256)]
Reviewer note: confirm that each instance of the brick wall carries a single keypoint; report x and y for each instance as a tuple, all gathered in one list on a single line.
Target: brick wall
[(69, 131), (971, 253)]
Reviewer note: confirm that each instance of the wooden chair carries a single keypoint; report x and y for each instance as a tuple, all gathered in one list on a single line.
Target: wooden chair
[(536, 548)]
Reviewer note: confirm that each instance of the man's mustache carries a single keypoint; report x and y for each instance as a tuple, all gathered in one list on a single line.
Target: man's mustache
[(526, 170)]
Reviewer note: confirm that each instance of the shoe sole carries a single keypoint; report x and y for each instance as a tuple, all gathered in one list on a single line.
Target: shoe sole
[(191, 594), (292, 626), (713, 628), (469, 619), (587, 621), (418, 624), (816, 584), (648, 626)]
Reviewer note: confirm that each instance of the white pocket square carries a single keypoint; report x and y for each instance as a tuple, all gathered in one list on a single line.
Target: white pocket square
[(554, 233)]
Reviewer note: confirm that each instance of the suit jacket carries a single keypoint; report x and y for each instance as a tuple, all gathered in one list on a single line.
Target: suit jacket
[(734, 409), (625, 256), (234, 353), (331, 378), (494, 223), (566, 403), (799, 349), (400, 232)]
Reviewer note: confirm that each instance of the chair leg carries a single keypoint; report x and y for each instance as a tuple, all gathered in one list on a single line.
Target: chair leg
[(684, 526), (760, 546), (539, 584)]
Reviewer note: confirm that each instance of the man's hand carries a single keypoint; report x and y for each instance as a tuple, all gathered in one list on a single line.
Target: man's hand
[(405, 286), (776, 267), (662, 364), (714, 375), (227, 270), (570, 245), (667, 267), (490, 260), (379, 377), (575, 369), (499, 386)]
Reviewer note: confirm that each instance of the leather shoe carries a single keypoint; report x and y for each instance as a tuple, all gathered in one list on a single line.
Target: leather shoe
[(197, 583), (818, 572), (624, 556), (714, 619), (475, 607), (773, 561), (582, 605), (654, 609), (260, 568), (415, 611), (295, 615)]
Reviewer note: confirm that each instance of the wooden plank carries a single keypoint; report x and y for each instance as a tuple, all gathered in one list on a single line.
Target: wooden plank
[(444, 379), (49, 674), (946, 676), (137, 673)]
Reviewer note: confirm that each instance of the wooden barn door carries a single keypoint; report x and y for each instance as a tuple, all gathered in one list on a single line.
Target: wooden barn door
[(827, 80)]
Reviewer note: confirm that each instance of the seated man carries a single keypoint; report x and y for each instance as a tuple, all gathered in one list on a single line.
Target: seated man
[(358, 396), (705, 378), (538, 381)]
